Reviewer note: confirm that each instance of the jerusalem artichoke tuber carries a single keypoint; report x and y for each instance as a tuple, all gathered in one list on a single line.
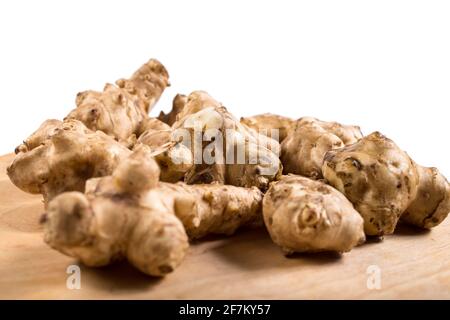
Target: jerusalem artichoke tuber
[(132, 215), (61, 156), (121, 110), (178, 104), (156, 134), (224, 150), (174, 160), (265, 123), (67, 155), (47, 129), (302, 151), (432, 202), (303, 215), (384, 184)]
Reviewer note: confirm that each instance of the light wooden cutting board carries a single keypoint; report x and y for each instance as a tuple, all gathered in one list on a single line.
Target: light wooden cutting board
[(410, 264)]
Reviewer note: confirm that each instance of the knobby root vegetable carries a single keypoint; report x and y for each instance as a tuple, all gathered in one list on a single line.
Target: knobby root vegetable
[(200, 100), (147, 83), (121, 111), (174, 160), (47, 129), (304, 215), (432, 202), (134, 216), (100, 230), (224, 150), (156, 133), (384, 184), (60, 157), (193, 103), (304, 148), (47, 162), (347, 133), (154, 124), (178, 104), (203, 209), (265, 123)]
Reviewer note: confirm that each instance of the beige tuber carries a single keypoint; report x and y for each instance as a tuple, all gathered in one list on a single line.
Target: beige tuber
[(304, 148), (224, 150), (121, 110), (384, 184), (61, 156), (303, 215), (265, 123), (131, 215)]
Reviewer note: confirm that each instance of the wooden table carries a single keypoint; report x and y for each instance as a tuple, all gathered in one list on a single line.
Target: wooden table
[(412, 264)]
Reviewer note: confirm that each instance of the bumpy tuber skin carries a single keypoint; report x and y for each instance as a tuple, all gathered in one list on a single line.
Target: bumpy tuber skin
[(131, 215), (154, 124), (347, 133), (384, 184), (100, 230), (203, 209), (61, 156), (156, 133), (47, 129), (303, 150), (193, 103), (147, 83), (377, 177), (200, 100), (303, 215), (178, 104), (156, 136), (265, 123), (432, 203), (174, 160), (224, 150), (66, 156), (121, 111)]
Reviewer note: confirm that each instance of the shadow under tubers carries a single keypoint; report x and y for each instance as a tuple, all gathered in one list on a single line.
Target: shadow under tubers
[(119, 276), (407, 230)]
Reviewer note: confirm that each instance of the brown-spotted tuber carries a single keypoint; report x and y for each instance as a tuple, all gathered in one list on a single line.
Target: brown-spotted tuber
[(61, 156), (304, 148), (178, 104), (384, 185), (121, 110), (432, 202), (224, 150), (266, 122), (304, 215), (156, 134), (174, 159), (134, 216)]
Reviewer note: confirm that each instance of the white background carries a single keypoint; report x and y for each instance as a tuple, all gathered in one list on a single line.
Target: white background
[(384, 65)]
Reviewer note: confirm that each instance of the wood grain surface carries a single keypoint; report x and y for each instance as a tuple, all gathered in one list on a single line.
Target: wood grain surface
[(413, 264)]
